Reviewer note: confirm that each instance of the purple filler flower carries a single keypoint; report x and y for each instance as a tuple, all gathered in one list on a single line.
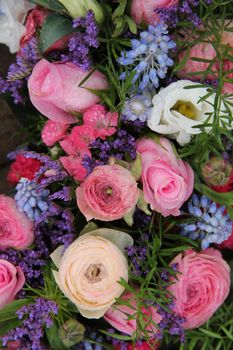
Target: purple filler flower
[(35, 317), (81, 42)]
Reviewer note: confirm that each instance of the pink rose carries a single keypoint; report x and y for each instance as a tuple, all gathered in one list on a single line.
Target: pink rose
[(78, 140), (205, 50), (53, 132), (202, 286), (54, 90), (167, 180), (118, 316), (16, 230), (104, 123), (108, 193), (142, 11), (11, 281)]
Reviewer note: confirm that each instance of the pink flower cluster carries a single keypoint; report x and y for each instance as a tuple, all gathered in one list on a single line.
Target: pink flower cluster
[(97, 123)]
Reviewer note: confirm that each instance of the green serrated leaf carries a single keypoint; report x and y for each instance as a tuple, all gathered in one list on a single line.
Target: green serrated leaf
[(54, 28)]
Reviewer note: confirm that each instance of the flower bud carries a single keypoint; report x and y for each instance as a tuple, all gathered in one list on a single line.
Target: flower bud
[(72, 332), (217, 171), (79, 8)]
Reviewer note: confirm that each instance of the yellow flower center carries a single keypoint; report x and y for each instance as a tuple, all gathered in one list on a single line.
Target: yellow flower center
[(185, 108)]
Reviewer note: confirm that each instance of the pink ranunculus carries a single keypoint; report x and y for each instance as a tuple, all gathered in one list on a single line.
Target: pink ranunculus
[(54, 90), (123, 317), (108, 193), (11, 281), (142, 11), (78, 140), (73, 165), (201, 286), (16, 230), (53, 132), (167, 180), (104, 123), (34, 20)]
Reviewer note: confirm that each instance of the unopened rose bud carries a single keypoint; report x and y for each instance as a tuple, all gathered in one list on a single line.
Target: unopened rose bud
[(72, 332), (79, 8), (217, 171)]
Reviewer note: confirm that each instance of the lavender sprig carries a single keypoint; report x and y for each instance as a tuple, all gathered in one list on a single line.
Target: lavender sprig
[(81, 42)]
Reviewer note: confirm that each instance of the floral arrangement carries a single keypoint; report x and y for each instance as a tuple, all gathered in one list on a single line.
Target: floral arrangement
[(117, 233)]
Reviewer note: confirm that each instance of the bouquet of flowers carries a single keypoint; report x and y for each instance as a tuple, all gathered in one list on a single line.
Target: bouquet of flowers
[(117, 233)]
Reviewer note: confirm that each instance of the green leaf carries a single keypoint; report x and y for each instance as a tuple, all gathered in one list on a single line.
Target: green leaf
[(54, 338), (220, 198), (9, 311), (142, 204), (54, 28), (90, 226), (136, 167), (117, 336), (228, 333), (53, 5), (210, 333), (120, 9), (129, 217), (6, 327)]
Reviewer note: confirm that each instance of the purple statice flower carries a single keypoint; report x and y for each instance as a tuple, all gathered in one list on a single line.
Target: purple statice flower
[(80, 43), (136, 125), (35, 317), (138, 256), (171, 322), (137, 108), (150, 57), (89, 163), (19, 71), (185, 10), (50, 171), (211, 222), (63, 194), (31, 199), (123, 146)]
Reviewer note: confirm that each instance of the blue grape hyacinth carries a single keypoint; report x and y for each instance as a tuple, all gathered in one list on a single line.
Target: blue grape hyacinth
[(212, 224), (31, 199), (150, 54)]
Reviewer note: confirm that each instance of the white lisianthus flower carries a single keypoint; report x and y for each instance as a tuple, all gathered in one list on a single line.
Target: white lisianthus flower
[(177, 111), (12, 16)]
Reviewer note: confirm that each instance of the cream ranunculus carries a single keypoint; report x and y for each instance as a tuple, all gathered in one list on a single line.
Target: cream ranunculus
[(177, 111), (12, 16), (89, 271)]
